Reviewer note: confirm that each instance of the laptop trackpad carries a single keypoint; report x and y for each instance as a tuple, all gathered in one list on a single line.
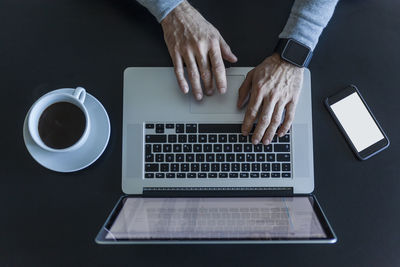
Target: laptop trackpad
[(217, 103)]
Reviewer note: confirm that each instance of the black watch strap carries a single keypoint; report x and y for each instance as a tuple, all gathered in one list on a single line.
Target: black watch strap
[(294, 52)]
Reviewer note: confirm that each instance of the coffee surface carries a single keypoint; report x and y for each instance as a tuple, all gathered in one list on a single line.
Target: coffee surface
[(61, 125)]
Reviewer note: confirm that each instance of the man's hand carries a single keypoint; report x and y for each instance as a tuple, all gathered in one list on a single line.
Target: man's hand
[(272, 87), (194, 41)]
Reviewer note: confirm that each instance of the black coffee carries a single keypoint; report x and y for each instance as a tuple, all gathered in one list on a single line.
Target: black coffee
[(61, 125)]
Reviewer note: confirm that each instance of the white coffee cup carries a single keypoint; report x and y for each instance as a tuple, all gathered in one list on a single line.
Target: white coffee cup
[(77, 98)]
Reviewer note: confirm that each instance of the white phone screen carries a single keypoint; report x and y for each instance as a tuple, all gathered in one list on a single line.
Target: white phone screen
[(357, 121)]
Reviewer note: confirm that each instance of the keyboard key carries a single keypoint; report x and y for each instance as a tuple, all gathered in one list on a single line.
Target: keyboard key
[(210, 157), (235, 167), (191, 128), (223, 175), (276, 167), (260, 157), (225, 167), (268, 148), (220, 128), (281, 148), (174, 167), (233, 175), (220, 157), (182, 138), (197, 147), (172, 138), (189, 157), (207, 148), (237, 147), (275, 175), (181, 175), (212, 175), (157, 148), (286, 167), (255, 167), (264, 175), (242, 139), (244, 175), (167, 148), (192, 138), (149, 175), (270, 157), (202, 138), (202, 175), (199, 157), (150, 126), (283, 157), (169, 157), (179, 128), (160, 175), (170, 175), (160, 157), (156, 138), (232, 138), (286, 174), (240, 157), (248, 147), (169, 126), (180, 157), (185, 167), (274, 139), (245, 167), (212, 138), (148, 149), (258, 148), (149, 158), (227, 147), (164, 167), (205, 167), (177, 148), (159, 128), (194, 167), (215, 167), (222, 138), (230, 157), (266, 167), (191, 175), (250, 157), (284, 139), (217, 148), (187, 148), (254, 175)]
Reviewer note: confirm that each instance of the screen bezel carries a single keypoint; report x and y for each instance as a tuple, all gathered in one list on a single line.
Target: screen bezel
[(330, 235), (372, 149)]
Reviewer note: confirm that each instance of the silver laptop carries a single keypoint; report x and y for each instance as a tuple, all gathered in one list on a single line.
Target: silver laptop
[(190, 176)]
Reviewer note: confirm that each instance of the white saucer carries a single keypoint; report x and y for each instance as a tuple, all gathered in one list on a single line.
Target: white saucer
[(85, 155)]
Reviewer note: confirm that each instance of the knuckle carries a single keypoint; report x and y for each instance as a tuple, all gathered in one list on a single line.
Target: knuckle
[(252, 112), (264, 120), (193, 74), (275, 120), (205, 75)]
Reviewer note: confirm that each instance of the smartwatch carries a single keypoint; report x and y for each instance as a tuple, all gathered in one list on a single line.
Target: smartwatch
[(294, 52)]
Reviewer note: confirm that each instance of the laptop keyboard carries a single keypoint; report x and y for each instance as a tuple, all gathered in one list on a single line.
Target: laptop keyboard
[(199, 150)]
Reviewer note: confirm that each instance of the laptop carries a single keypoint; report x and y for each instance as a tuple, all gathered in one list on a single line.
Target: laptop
[(190, 176)]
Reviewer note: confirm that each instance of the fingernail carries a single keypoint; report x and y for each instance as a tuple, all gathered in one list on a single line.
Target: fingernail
[(267, 141), (223, 90), (198, 96), (255, 141)]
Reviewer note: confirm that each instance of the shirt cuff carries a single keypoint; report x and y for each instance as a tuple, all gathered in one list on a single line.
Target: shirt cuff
[(160, 8)]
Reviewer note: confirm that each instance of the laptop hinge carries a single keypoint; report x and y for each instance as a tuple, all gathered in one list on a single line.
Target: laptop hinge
[(217, 191)]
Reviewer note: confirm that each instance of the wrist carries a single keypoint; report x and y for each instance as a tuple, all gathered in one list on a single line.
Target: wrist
[(176, 13)]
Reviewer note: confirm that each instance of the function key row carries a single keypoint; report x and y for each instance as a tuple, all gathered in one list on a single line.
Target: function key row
[(218, 175)]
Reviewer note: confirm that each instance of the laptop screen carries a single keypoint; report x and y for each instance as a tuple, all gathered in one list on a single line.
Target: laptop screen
[(230, 218)]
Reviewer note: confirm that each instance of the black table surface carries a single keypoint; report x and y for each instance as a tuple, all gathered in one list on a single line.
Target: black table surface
[(51, 219)]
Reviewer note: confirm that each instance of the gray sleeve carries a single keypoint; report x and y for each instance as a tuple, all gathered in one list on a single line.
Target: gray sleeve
[(307, 20), (159, 8)]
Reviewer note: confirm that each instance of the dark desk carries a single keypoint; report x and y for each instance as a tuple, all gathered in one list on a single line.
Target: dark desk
[(51, 219)]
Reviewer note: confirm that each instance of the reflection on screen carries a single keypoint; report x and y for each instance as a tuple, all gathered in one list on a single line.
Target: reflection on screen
[(357, 122), (216, 218)]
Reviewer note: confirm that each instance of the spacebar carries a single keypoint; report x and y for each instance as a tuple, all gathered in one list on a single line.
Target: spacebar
[(220, 128)]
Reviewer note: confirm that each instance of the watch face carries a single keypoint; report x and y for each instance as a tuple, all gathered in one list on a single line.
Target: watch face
[(295, 52)]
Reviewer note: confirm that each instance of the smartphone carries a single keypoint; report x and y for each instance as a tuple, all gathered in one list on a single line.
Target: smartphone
[(357, 123)]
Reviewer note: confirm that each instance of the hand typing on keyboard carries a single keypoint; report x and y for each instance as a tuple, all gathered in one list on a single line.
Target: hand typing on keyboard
[(271, 87)]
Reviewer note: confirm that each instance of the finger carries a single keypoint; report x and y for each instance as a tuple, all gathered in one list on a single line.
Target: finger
[(194, 76), (205, 72), (244, 90), (256, 99), (179, 73), (274, 123), (227, 52), (218, 68), (289, 116), (264, 120)]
